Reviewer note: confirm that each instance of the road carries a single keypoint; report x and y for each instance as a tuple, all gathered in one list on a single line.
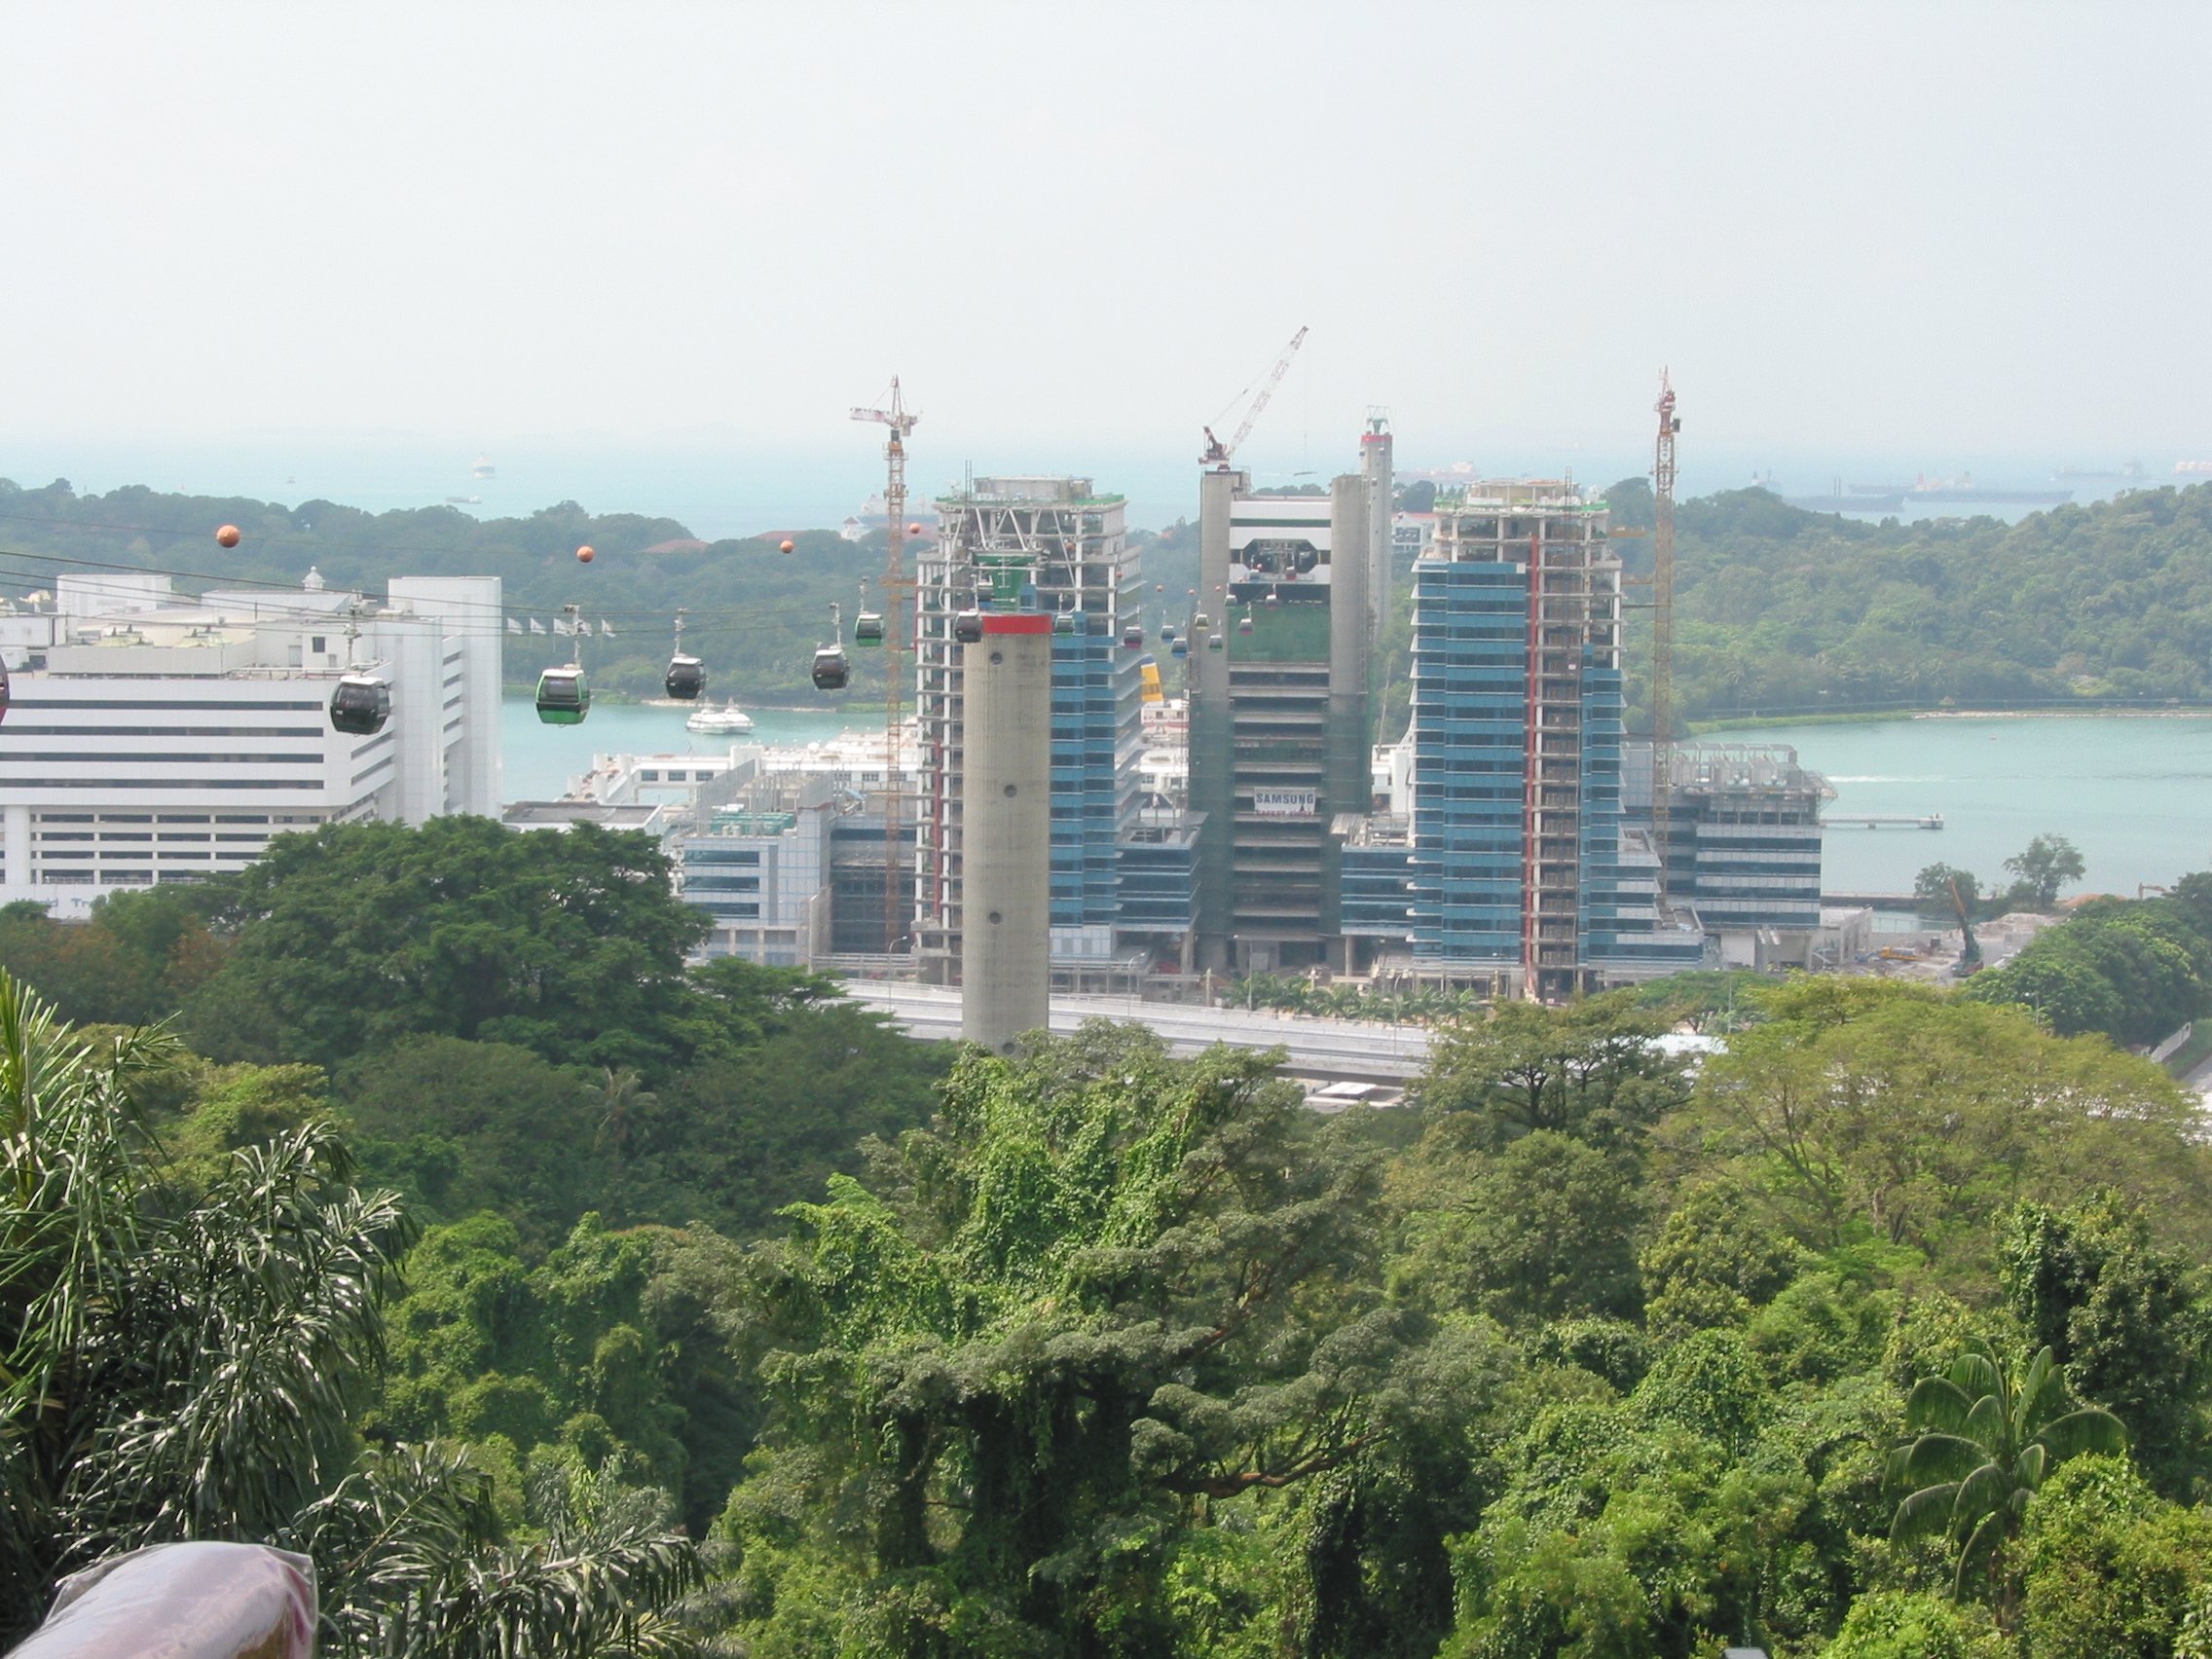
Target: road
[(1322, 1051)]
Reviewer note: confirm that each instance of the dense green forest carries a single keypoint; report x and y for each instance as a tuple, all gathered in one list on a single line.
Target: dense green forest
[(629, 1308)]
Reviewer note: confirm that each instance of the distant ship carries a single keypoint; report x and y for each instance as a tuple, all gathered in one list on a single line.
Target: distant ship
[(484, 468), (719, 722), (464, 500)]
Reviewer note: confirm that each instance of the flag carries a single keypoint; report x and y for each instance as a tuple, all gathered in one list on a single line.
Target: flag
[(605, 628), (535, 626), (513, 627)]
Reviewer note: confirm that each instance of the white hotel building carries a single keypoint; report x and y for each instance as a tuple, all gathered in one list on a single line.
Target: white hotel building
[(151, 737)]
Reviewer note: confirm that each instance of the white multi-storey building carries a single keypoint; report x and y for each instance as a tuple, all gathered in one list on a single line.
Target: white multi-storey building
[(155, 738)]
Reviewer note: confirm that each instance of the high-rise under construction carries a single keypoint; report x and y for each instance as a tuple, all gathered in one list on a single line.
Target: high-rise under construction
[(1279, 731), (1071, 540), (1521, 868)]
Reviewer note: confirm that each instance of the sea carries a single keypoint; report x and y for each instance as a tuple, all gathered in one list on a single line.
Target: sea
[(2134, 793)]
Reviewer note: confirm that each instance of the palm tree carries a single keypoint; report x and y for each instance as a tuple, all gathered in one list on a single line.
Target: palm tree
[(1985, 1443), (179, 1365)]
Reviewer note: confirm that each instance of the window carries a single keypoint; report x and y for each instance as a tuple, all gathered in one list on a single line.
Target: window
[(654, 777)]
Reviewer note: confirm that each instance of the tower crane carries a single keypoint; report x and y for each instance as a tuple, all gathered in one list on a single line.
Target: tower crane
[(896, 633), (1218, 453), (1663, 631)]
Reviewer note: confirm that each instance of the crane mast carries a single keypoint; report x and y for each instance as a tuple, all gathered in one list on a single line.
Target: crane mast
[(1663, 633), (896, 636)]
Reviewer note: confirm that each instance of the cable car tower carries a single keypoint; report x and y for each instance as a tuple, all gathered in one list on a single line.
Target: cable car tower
[(1663, 632), (897, 634)]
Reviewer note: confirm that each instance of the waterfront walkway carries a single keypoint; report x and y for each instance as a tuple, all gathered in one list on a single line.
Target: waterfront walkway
[(1321, 1050)]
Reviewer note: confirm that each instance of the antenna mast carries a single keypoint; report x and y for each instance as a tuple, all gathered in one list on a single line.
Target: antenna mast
[(896, 633), (1663, 633)]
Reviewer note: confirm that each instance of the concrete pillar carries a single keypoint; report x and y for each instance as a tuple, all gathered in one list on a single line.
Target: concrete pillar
[(1376, 467), (1212, 753), (1007, 870), (1347, 775)]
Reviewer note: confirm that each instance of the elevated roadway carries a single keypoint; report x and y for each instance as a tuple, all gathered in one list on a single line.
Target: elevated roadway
[(1320, 1050)]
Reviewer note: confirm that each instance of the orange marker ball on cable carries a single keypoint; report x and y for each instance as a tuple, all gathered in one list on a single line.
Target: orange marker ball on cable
[(914, 530), (228, 536), (584, 555), (787, 546)]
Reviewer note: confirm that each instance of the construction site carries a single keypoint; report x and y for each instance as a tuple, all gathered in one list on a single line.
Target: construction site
[(1211, 800)]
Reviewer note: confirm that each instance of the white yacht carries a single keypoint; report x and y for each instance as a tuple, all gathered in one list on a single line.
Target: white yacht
[(719, 722)]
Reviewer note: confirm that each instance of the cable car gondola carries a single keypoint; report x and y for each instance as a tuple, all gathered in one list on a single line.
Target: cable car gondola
[(563, 696), (1213, 642), (967, 626), (868, 629), (1244, 624), (831, 671), (360, 704), (1179, 647), (1275, 599), (1132, 638), (686, 676)]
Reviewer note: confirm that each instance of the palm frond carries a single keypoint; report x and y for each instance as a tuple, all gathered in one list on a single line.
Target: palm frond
[(2083, 1431), (1939, 1404), (1926, 1514), (1935, 1458), (1980, 1545)]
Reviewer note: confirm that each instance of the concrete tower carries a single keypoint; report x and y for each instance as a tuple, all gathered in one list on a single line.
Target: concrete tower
[(1278, 715), (1378, 466), (1005, 943)]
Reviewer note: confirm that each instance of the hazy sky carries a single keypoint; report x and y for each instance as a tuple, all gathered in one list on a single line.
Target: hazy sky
[(1848, 228)]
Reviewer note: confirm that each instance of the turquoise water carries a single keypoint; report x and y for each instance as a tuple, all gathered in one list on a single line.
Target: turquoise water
[(540, 759), (2135, 794)]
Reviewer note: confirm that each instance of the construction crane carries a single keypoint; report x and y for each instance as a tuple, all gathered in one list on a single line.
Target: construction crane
[(1218, 453), (1663, 633), (896, 635)]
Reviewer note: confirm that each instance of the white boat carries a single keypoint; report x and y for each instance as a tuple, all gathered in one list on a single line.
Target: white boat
[(719, 721)]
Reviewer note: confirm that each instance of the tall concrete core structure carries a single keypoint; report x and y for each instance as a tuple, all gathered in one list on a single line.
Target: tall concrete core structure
[(1077, 553), (1519, 863), (1279, 739), (1379, 468), (1005, 955)]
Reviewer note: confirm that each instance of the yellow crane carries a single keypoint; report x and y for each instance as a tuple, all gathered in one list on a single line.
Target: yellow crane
[(896, 633)]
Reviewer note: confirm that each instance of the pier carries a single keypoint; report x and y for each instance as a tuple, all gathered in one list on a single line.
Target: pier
[(1876, 821)]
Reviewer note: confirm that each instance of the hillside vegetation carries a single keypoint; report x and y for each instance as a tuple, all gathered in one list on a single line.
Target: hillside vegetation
[(1782, 610), (757, 614)]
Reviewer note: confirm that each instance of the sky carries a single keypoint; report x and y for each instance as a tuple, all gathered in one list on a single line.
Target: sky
[(247, 240)]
